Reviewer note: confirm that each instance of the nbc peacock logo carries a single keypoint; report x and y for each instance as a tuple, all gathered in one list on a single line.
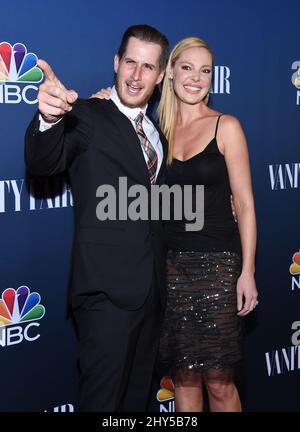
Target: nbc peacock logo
[(295, 266), (19, 311), (16, 64), (295, 271), (296, 79), (166, 394), (20, 67)]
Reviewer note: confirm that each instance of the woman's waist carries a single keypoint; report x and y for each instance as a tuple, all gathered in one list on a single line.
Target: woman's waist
[(204, 240)]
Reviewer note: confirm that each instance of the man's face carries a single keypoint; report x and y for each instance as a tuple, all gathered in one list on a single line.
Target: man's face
[(137, 72)]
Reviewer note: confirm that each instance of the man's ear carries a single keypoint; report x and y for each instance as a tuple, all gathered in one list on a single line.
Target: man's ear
[(160, 76), (116, 63)]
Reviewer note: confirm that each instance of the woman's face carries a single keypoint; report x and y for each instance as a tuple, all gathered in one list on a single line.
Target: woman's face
[(192, 75)]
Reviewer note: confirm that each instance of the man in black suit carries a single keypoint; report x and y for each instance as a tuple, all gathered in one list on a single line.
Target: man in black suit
[(117, 272)]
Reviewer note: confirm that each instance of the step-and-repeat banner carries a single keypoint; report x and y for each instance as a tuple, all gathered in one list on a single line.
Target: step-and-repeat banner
[(257, 79)]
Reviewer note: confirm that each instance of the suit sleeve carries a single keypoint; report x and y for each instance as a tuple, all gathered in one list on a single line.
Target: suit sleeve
[(52, 152)]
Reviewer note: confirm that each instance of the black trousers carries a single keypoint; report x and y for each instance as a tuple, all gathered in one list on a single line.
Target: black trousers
[(117, 352)]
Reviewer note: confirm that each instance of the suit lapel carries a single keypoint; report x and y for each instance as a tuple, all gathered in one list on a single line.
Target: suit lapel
[(129, 141), (164, 144), (131, 144)]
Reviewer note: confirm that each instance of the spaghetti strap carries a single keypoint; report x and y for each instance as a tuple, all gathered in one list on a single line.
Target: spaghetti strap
[(217, 125)]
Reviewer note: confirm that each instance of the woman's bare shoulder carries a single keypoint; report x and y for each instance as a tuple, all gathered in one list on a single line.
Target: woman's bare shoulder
[(230, 122)]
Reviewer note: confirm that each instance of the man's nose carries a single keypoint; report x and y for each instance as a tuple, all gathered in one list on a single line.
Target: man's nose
[(136, 73)]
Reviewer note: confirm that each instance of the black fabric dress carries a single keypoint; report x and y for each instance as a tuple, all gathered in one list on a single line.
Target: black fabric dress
[(201, 328)]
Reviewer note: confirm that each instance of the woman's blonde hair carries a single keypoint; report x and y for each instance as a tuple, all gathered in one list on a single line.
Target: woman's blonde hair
[(167, 109)]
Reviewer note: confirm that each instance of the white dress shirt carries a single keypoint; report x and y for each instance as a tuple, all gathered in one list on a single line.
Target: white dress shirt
[(131, 113), (148, 127)]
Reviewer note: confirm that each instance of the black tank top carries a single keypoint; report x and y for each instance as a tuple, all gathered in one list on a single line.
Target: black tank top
[(220, 231)]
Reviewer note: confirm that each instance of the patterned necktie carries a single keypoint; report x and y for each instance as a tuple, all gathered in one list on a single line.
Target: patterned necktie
[(147, 146)]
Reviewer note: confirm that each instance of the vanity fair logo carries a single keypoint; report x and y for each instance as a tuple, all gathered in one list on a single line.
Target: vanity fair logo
[(285, 360), (221, 83), (285, 176), (296, 79), (19, 67), (14, 196)]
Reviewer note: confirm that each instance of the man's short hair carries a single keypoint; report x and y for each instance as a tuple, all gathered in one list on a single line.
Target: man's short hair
[(146, 33)]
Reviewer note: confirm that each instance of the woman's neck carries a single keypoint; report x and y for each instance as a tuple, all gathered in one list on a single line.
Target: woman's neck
[(187, 114)]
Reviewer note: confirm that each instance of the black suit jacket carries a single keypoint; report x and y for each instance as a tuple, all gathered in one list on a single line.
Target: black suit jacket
[(96, 144)]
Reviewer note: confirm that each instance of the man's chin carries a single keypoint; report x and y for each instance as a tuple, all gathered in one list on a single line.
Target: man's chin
[(133, 101)]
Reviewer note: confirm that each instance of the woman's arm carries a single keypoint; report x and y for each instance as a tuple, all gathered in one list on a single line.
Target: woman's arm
[(233, 143)]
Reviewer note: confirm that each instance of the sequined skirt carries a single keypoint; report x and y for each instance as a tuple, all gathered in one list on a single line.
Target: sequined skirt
[(201, 329)]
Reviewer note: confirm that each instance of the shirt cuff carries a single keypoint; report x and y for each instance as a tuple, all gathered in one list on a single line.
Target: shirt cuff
[(44, 125)]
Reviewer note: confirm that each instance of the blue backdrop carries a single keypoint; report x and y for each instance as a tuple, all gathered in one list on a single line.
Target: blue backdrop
[(256, 46)]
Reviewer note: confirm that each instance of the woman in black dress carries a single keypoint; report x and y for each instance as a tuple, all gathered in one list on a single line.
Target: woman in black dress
[(210, 273)]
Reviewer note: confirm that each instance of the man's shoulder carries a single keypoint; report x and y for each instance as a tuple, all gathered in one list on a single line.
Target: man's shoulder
[(95, 104), (92, 110)]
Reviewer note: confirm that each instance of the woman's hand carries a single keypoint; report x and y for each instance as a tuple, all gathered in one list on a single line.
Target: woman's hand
[(102, 94), (246, 294)]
